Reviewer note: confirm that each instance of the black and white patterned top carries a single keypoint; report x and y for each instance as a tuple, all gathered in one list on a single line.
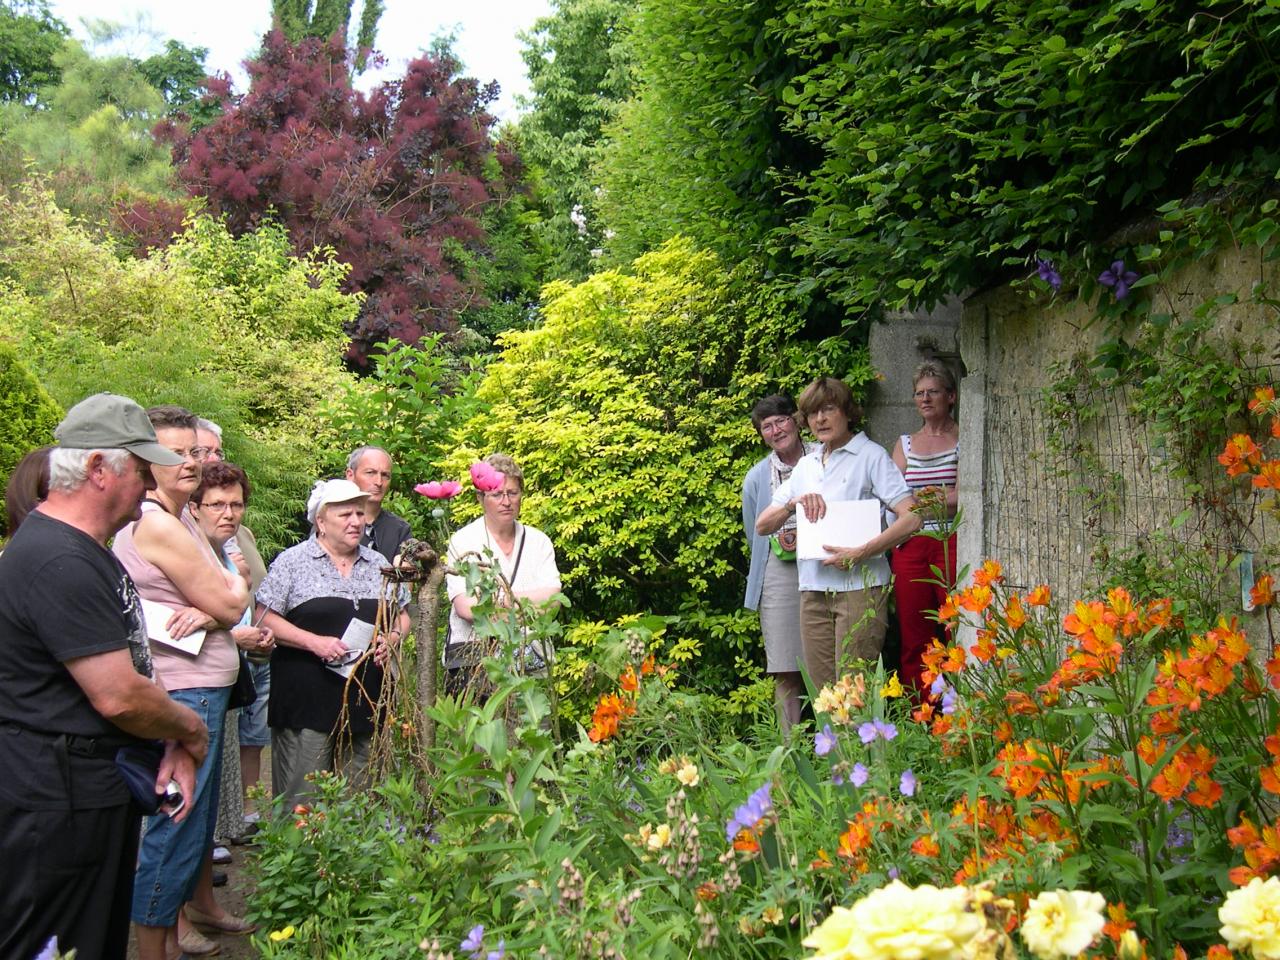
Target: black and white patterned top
[(305, 571)]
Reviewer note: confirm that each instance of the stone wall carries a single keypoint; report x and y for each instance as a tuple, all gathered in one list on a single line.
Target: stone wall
[(897, 347), (1055, 486)]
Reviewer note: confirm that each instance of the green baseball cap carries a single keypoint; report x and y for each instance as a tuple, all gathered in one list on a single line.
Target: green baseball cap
[(107, 421)]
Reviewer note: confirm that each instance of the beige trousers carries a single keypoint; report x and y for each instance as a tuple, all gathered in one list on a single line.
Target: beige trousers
[(838, 628)]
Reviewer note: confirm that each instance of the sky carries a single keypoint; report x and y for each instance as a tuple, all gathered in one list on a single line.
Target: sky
[(486, 33)]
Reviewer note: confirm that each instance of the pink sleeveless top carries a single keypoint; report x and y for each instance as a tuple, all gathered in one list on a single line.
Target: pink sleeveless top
[(217, 663)]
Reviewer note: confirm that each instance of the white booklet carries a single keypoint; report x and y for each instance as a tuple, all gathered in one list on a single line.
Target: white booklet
[(847, 523), (356, 638), (157, 615)]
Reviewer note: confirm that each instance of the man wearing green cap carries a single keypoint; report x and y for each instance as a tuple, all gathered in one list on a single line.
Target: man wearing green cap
[(75, 687)]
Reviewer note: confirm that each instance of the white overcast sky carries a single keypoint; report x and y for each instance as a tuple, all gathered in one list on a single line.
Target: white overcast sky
[(486, 32)]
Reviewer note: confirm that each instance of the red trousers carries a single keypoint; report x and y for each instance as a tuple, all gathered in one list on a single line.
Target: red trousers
[(919, 597)]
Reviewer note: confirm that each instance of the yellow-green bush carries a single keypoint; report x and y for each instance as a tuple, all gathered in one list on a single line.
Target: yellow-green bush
[(236, 329)]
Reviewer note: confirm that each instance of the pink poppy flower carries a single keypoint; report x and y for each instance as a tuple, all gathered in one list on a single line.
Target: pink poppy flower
[(439, 489), (485, 477)]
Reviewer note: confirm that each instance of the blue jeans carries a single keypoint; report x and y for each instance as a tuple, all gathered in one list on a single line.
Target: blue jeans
[(253, 718), (171, 854)]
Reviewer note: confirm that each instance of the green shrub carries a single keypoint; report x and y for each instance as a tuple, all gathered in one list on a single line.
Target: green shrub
[(27, 413)]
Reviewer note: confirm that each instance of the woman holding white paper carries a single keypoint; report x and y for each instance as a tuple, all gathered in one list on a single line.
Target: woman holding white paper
[(320, 599), (843, 597), (173, 565)]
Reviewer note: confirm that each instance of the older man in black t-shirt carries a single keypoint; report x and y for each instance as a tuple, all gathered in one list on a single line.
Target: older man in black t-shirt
[(75, 686), (369, 468)]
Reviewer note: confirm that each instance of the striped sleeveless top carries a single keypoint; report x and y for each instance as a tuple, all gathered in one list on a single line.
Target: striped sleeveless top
[(933, 470)]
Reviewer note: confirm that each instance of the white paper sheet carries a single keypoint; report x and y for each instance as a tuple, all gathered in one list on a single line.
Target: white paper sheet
[(847, 523), (356, 637), (157, 615)]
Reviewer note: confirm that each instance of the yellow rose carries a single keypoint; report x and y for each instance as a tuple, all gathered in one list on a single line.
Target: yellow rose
[(1251, 918), (688, 775), (1060, 924), (897, 921)]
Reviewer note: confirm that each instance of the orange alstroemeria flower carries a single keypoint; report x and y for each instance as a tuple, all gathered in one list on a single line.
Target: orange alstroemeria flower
[(1263, 591), (1268, 476), (1263, 397), (1039, 596), (1014, 614), (1117, 921), (629, 682), (976, 598), (925, 846), (990, 572), (1241, 453)]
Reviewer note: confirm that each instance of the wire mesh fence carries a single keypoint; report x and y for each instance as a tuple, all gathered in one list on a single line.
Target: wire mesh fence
[(1087, 493)]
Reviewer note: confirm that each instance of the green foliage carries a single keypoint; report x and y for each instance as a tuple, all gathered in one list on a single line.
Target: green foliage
[(883, 154), (27, 413), (238, 330), (411, 404), (30, 38), (299, 19), (179, 73), (627, 411), (579, 65), (91, 134)]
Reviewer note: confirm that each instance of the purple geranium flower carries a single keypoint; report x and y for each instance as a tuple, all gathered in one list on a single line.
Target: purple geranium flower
[(1118, 278), (939, 684), (892, 873), (858, 775), (886, 729), (907, 784), (1048, 274), (949, 699), (825, 741), (499, 953), (747, 816), (474, 943), (50, 950)]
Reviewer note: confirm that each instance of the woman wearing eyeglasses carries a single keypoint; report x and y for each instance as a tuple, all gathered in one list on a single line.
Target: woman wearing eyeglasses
[(929, 460), (173, 565), (523, 554), (320, 599), (773, 584)]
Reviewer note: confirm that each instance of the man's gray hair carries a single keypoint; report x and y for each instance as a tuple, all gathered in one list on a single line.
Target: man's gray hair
[(209, 426), (358, 453), (69, 469)]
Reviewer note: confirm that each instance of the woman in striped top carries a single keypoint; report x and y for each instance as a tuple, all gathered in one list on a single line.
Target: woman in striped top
[(929, 460)]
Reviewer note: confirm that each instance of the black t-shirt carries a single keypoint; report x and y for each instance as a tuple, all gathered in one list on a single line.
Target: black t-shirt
[(385, 534), (62, 596)]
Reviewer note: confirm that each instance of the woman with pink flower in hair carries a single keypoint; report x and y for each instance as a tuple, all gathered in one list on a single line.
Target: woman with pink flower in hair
[(523, 555)]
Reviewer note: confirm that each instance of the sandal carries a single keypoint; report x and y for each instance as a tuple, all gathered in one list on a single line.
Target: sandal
[(227, 923)]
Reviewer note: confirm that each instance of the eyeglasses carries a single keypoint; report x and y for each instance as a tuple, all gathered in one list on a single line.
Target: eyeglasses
[(222, 506), (931, 392), (775, 424), (351, 656), (503, 494), (198, 454), (208, 453)]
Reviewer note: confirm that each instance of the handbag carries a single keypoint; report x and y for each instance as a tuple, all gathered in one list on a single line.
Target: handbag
[(139, 766), (243, 692)]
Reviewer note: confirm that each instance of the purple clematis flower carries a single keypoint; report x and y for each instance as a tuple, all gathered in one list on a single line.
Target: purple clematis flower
[(907, 784), (1118, 278), (858, 775), (825, 741), (1048, 274), (474, 942), (747, 816)]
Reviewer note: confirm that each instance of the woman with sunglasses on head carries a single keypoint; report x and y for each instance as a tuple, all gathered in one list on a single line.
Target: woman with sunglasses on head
[(523, 554), (929, 460), (320, 599), (173, 565)]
